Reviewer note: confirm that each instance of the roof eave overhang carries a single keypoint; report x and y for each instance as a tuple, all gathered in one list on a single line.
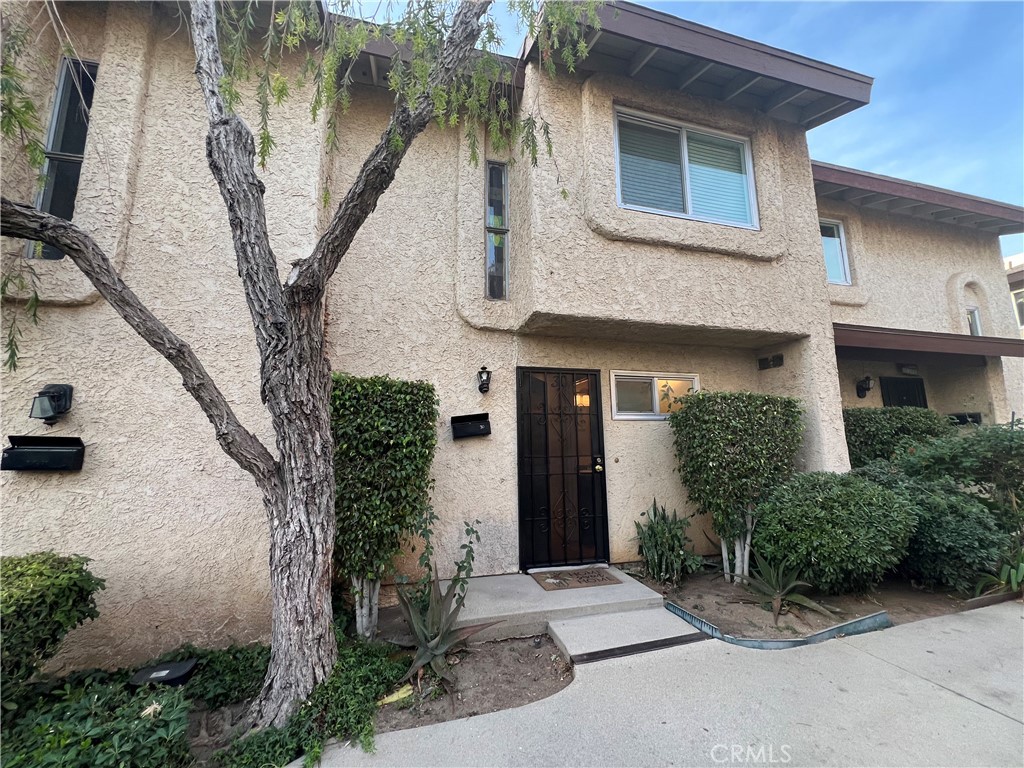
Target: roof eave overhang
[(906, 198), (903, 340)]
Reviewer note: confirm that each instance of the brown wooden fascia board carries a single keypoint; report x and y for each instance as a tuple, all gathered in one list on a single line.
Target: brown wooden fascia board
[(873, 337)]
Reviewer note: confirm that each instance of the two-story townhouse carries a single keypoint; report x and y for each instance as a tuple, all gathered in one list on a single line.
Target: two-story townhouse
[(673, 241)]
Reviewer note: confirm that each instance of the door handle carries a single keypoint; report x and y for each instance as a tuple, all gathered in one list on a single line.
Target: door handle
[(598, 466)]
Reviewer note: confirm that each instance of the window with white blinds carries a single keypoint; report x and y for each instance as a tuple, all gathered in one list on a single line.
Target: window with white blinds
[(671, 169)]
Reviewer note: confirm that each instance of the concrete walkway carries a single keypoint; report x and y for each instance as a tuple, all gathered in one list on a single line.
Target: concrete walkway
[(944, 691)]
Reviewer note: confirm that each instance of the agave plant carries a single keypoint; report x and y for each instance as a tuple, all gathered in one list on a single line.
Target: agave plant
[(1009, 579), (781, 583), (434, 627)]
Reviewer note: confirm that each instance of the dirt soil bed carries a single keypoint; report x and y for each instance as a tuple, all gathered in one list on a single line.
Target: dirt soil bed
[(488, 677), (737, 611)]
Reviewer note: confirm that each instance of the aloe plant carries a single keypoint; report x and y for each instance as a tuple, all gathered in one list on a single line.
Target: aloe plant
[(1009, 579), (781, 583), (434, 627)]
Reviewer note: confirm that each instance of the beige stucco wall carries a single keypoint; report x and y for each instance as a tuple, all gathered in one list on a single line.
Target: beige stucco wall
[(178, 530), (922, 276), (173, 525)]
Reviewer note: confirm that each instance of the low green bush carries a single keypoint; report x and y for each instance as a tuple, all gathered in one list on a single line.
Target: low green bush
[(342, 707), (876, 433), (97, 724), (987, 462), (223, 676), (664, 547), (844, 532), (43, 596), (955, 538)]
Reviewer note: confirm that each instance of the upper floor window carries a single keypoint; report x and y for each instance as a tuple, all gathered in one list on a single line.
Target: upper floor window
[(833, 243), (676, 170), (649, 396), (496, 258), (65, 142), (973, 321), (1018, 303)]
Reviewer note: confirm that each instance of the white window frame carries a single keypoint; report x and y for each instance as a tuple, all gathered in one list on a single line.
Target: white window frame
[(847, 275), (653, 377), (1017, 299), (973, 313), (665, 123)]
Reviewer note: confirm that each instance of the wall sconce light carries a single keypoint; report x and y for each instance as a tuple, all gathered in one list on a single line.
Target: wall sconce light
[(484, 377), (864, 386), (52, 402)]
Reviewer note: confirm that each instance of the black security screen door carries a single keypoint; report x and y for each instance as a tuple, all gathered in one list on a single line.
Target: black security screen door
[(563, 514)]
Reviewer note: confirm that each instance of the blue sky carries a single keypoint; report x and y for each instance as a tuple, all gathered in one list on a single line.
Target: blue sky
[(947, 106)]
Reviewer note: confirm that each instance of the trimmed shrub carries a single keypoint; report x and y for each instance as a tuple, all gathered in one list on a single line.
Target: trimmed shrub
[(385, 431), (223, 676), (876, 433), (101, 724), (43, 596), (732, 448), (843, 531), (956, 537), (987, 462)]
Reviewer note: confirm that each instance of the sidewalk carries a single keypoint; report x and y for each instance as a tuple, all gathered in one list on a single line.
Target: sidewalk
[(944, 691)]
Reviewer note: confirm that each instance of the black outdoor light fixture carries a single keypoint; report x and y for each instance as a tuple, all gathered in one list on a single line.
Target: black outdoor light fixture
[(864, 386), (484, 377), (52, 402)]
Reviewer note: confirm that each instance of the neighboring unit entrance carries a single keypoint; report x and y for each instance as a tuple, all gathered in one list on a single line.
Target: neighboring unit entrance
[(563, 511), (903, 391)]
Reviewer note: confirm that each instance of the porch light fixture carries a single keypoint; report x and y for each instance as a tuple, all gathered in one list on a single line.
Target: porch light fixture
[(52, 402), (484, 377), (864, 386)]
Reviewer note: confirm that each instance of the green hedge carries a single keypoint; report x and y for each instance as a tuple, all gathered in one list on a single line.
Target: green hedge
[(956, 537), (876, 433), (43, 596), (987, 462), (385, 431), (733, 447), (844, 531)]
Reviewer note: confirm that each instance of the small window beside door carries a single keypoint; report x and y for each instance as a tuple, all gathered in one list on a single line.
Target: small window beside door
[(833, 244), (496, 225), (973, 321), (639, 396)]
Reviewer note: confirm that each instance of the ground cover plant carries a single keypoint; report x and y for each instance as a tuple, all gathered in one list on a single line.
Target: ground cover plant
[(843, 531), (732, 449)]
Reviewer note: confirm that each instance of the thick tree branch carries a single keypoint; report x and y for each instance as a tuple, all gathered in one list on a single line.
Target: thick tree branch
[(308, 279), (24, 221), (230, 151)]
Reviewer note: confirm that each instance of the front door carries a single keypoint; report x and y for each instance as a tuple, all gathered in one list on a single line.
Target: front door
[(563, 512), (897, 391)]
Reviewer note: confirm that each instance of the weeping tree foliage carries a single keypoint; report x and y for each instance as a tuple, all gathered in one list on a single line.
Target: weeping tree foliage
[(734, 448), (443, 72)]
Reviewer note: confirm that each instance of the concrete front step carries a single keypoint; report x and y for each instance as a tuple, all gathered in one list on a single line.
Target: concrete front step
[(591, 638), (525, 608)]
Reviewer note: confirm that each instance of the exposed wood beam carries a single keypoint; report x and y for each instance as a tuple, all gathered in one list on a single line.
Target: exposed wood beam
[(902, 203), (693, 70), (877, 200), (738, 85), (593, 38), (782, 97), (640, 59), (818, 109), (824, 188), (988, 223), (926, 211), (949, 213), (856, 194)]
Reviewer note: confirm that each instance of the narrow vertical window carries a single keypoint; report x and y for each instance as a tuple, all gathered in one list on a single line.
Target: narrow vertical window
[(496, 265), (833, 244), (974, 321), (65, 143)]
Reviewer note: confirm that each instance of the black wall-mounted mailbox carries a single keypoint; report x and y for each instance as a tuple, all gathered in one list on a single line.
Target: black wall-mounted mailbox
[(472, 425), (45, 454)]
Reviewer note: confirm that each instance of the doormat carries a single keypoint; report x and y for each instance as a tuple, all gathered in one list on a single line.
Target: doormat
[(588, 577)]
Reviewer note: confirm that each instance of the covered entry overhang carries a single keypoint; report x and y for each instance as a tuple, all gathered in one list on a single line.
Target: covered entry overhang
[(865, 342)]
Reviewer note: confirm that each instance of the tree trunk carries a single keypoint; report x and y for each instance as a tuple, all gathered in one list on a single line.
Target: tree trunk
[(725, 560)]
